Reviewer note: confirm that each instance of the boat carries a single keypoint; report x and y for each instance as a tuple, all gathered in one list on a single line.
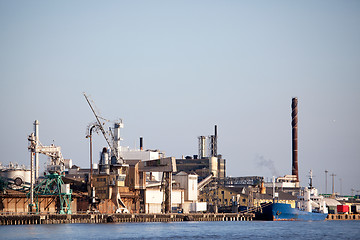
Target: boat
[(284, 212), (309, 207)]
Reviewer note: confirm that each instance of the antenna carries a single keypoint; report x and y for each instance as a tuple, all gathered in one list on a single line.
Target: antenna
[(310, 179)]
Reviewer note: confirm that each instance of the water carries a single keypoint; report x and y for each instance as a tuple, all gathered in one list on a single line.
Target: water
[(188, 230)]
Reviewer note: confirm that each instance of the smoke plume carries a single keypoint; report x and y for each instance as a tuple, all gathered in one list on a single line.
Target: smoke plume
[(267, 163)]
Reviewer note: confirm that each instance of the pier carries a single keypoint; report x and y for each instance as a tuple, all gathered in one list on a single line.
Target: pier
[(114, 218), (343, 217)]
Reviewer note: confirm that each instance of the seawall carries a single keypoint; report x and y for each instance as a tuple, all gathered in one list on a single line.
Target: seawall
[(343, 217), (109, 218)]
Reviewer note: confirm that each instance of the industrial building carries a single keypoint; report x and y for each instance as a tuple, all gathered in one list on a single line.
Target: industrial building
[(206, 162), (124, 180)]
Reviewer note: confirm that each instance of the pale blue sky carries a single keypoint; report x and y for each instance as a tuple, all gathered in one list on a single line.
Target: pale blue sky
[(174, 69)]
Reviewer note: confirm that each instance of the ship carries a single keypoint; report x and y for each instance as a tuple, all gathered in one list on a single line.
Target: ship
[(310, 206), (285, 212)]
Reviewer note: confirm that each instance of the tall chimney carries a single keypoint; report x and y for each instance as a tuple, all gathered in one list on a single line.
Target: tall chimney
[(295, 169), (36, 134), (213, 142), (215, 145), (141, 143), (202, 146)]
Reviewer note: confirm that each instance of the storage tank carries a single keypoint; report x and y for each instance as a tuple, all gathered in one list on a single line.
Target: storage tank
[(17, 177)]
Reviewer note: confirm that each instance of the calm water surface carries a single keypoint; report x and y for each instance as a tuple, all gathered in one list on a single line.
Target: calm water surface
[(188, 230)]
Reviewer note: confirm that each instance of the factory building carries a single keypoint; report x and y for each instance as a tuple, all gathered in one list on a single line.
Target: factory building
[(230, 197), (206, 162), (203, 167), (154, 199), (189, 184)]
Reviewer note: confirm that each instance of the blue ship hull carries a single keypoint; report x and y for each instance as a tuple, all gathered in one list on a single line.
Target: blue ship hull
[(283, 211)]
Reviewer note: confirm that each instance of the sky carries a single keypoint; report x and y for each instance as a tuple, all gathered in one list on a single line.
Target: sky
[(174, 69)]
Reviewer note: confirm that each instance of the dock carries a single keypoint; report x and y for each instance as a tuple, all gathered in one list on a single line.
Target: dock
[(343, 217), (116, 218)]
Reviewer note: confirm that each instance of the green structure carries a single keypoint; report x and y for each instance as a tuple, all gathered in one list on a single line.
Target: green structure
[(3, 184), (53, 185)]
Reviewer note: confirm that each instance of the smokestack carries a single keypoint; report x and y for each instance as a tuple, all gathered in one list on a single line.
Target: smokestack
[(141, 143), (295, 169), (213, 144), (202, 142), (36, 134)]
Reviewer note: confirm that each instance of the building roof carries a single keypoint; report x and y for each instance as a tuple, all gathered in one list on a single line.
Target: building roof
[(331, 202)]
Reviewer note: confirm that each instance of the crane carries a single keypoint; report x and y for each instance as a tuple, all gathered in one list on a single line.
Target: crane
[(57, 163), (52, 184), (114, 167), (114, 140)]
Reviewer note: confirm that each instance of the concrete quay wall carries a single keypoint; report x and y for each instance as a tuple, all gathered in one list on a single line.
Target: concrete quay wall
[(343, 217), (110, 218)]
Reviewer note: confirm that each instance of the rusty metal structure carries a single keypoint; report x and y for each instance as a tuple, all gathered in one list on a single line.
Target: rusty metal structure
[(294, 124)]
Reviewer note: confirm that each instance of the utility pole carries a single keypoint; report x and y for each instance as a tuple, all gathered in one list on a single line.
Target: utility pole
[(333, 175), (326, 172)]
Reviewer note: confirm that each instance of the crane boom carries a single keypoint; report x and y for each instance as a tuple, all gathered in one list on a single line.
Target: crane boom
[(115, 151), (57, 163)]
